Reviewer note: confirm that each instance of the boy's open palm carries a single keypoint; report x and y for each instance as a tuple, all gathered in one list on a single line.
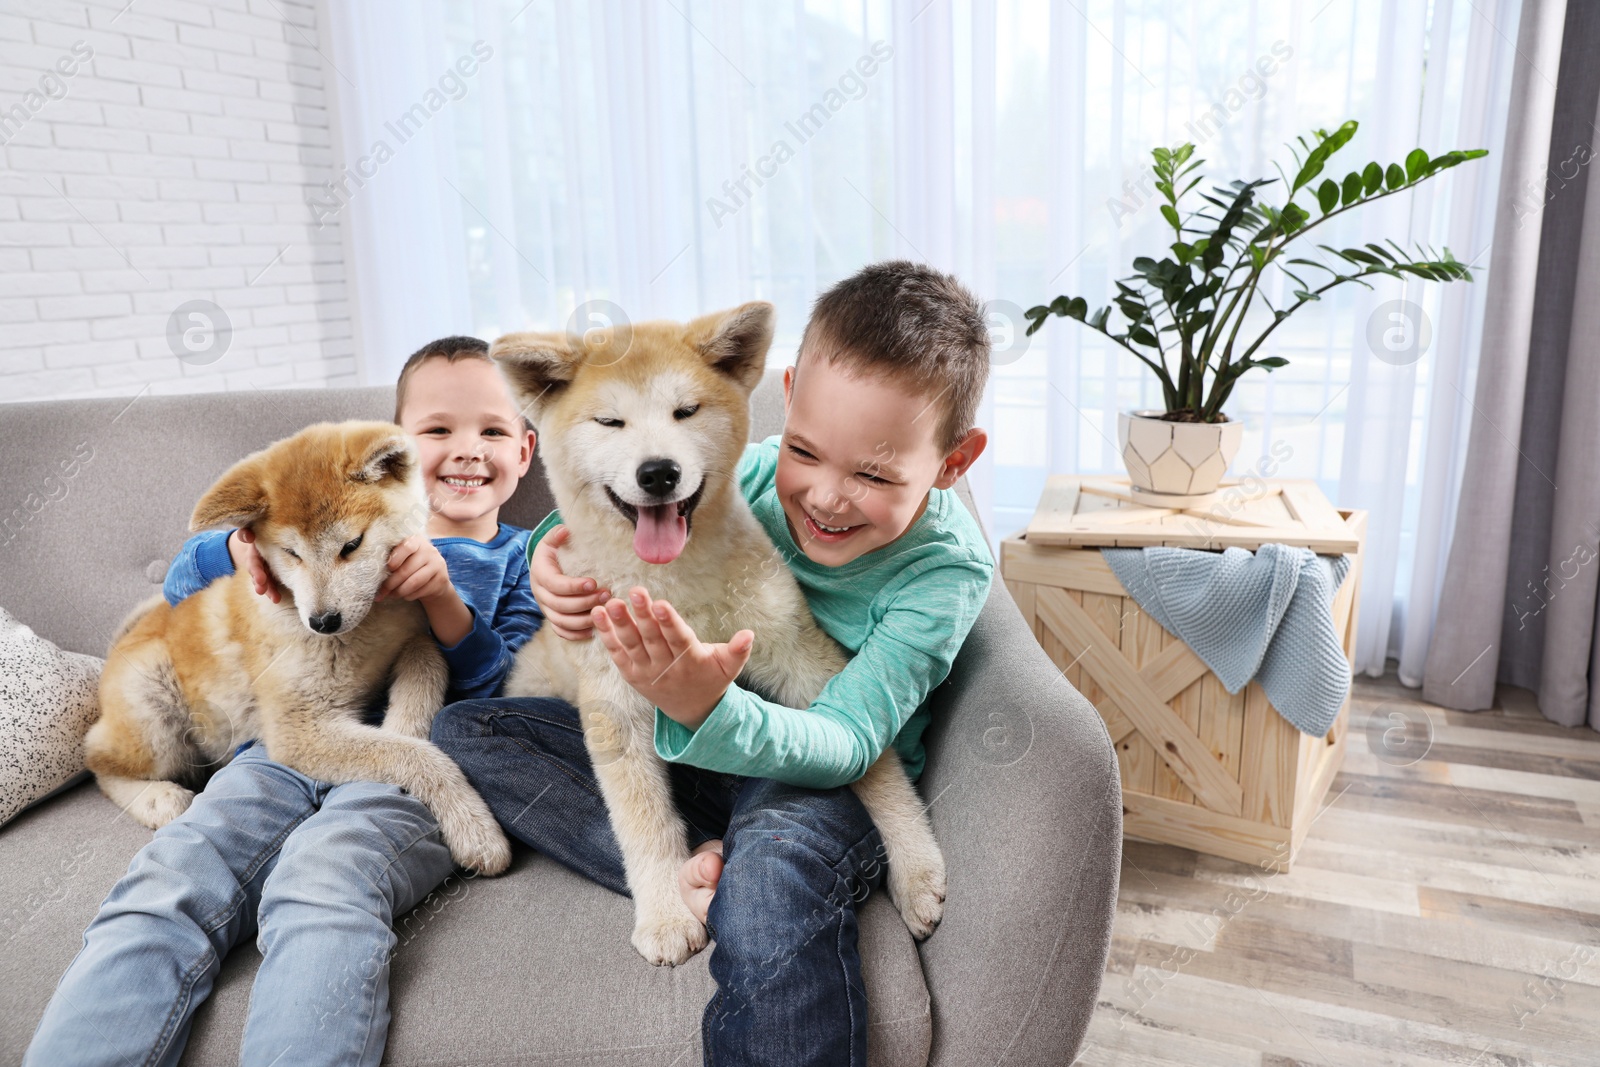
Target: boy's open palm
[(661, 657)]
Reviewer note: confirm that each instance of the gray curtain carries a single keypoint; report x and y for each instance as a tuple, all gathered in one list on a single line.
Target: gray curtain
[(1520, 598)]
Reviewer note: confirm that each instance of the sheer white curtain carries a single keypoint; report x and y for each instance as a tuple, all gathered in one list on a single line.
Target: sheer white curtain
[(660, 159)]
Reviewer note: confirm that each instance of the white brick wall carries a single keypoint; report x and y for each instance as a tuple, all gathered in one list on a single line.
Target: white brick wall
[(174, 166)]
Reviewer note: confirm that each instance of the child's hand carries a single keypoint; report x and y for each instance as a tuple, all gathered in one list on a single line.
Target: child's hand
[(566, 602), (661, 657), (246, 560), (417, 571)]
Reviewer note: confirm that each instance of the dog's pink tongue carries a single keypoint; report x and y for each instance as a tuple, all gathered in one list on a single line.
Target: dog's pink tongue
[(659, 535)]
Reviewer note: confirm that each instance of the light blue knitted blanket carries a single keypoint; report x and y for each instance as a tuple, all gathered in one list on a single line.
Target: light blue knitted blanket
[(1265, 615)]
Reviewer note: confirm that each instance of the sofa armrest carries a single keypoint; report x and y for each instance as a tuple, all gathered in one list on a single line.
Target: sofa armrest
[(1026, 803)]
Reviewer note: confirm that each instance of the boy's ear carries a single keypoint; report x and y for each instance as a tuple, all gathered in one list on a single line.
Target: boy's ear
[(735, 342), (387, 453), (238, 498), (961, 458), (538, 366)]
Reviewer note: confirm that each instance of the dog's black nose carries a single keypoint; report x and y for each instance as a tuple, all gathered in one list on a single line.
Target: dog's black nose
[(327, 623), (659, 477)]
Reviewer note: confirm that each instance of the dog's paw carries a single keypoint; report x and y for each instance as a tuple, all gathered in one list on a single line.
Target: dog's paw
[(918, 889), (478, 844), (668, 940), (159, 803)]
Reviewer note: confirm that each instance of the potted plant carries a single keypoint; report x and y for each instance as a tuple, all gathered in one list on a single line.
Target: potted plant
[(1184, 312)]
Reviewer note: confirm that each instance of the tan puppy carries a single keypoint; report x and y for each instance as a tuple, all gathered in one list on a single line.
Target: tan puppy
[(184, 686), (641, 429)]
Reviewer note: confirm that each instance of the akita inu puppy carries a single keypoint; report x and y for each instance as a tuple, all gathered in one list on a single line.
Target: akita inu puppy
[(640, 430), (184, 686)]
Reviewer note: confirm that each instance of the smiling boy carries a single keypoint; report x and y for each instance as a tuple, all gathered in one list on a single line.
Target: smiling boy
[(858, 496)]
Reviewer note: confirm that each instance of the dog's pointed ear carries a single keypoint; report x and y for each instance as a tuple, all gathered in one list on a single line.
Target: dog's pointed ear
[(735, 342), (538, 367), (238, 498), (387, 453)]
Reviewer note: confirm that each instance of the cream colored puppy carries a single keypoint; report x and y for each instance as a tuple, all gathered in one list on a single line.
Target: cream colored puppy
[(641, 429)]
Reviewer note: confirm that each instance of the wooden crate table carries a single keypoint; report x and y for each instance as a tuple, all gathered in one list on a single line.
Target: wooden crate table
[(1221, 774)]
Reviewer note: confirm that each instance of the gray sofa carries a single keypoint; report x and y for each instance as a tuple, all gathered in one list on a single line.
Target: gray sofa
[(535, 967)]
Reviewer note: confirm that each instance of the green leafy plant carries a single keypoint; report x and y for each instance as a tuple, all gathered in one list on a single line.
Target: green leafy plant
[(1189, 307)]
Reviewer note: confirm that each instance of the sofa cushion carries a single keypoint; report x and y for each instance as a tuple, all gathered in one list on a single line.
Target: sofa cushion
[(534, 967), (48, 701)]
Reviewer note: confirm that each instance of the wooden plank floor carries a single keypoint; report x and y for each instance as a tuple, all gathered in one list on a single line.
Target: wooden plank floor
[(1444, 910)]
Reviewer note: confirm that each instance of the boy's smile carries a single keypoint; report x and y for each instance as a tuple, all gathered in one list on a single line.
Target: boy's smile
[(823, 532), (466, 483), (857, 460)]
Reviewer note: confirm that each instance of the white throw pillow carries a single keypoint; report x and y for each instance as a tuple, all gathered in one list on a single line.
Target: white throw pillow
[(48, 700)]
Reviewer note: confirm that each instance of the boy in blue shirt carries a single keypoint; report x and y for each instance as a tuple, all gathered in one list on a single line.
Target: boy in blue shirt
[(317, 871), (858, 496)]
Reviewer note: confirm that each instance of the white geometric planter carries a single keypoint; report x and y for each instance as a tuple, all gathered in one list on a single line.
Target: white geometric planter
[(1173, 460)]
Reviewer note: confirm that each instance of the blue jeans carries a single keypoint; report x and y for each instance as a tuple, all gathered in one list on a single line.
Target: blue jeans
[(798, 863), (316, 872)]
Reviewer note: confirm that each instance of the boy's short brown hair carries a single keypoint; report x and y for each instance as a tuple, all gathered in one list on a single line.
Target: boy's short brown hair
[(915, 325), (449, 349)]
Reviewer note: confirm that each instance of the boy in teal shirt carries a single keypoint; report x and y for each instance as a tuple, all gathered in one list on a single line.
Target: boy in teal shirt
[(858, 496)]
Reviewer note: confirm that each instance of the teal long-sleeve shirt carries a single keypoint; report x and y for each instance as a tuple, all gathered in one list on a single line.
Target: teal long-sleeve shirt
[(901, 611)]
